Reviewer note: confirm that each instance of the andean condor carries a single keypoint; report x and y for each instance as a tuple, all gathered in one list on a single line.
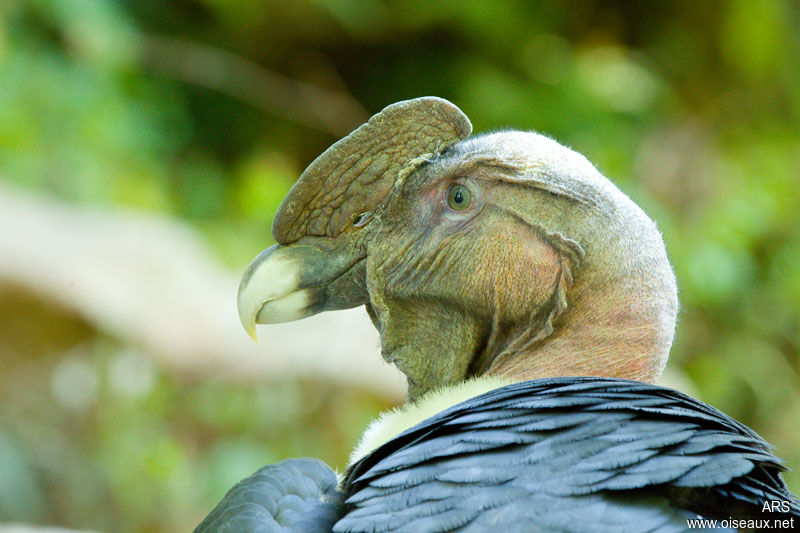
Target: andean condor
[(531, 306)]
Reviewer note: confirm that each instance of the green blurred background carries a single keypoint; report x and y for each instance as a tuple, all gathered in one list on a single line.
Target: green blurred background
[(207, 110)]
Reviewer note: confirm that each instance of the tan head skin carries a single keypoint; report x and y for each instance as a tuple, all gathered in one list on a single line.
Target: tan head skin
[(549, 271)]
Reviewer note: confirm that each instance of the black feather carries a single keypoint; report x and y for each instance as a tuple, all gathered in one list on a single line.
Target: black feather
[(566, 454), (550, 455), (296, 495)]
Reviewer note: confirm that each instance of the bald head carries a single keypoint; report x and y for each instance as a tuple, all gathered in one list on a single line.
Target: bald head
[(549, 270), (498, 254)]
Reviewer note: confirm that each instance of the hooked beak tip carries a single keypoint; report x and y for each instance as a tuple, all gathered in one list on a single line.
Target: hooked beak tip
[(248, 321), (268, 292)]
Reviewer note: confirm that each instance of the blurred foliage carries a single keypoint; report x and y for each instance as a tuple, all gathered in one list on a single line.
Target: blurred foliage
[(209, 109)]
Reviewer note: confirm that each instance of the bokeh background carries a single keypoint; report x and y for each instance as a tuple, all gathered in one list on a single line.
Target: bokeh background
[(192, 118)]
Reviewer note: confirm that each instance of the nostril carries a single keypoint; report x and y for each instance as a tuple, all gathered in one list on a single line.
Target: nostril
[(362, 219)]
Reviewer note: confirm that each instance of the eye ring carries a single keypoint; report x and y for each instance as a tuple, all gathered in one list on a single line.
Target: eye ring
[(459, 197)]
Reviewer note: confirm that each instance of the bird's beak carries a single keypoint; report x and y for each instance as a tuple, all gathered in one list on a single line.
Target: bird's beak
[(293, 281), (309, 273)]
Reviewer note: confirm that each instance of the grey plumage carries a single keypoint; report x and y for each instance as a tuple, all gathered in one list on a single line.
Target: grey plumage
[(296, 495), (566, 454), (561, 454)]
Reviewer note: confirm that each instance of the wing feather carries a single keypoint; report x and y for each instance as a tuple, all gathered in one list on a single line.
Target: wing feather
[(296, 495), (565, 454)]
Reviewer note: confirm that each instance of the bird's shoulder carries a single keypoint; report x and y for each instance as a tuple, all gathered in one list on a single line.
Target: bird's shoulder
[(588, 454)]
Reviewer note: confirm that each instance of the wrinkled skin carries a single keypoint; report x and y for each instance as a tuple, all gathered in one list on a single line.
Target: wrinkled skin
[(443, 301), (548, 270)]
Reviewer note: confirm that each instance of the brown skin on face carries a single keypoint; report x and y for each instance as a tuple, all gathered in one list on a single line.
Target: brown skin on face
[(500, 288), (451, 289), (546, 270)]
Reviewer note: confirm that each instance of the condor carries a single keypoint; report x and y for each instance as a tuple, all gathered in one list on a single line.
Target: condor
[(531, 306)]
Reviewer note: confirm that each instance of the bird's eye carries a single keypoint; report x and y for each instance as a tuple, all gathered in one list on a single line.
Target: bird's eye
[(458, 197)]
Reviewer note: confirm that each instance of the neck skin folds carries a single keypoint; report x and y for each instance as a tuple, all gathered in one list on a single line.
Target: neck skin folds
[(615, 336)]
